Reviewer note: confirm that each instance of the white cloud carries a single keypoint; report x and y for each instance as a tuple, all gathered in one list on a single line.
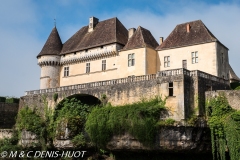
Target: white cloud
[(222, 21)]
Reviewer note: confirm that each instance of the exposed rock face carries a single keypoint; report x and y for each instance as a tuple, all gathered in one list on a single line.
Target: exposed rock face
[(63, 144), (172, 139), (28, 138), (169, 139)]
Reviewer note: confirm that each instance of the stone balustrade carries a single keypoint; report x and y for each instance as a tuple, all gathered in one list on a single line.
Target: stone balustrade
[(94, 84), (180, 71)]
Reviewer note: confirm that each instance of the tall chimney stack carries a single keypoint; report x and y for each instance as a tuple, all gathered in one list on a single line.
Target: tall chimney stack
[(93, 21), (131, 32), (188, 27), (161, 40)]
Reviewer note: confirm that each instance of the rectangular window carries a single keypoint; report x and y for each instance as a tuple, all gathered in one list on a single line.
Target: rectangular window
[(131, 60), (167, 61), (66, 71), (184, 64), (170, 89), (87, 67), (194, 57), (103, 65)]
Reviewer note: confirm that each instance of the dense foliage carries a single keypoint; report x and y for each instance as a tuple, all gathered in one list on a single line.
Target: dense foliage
[(138, 119), (29, 120), (224, 123), (71, 114)]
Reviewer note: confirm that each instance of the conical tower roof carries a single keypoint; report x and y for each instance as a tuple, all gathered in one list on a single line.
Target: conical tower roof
[(53, 45)]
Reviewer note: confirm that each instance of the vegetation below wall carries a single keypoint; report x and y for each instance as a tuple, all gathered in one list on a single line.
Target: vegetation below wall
[(224, 123), (76, 121), (138, 119)]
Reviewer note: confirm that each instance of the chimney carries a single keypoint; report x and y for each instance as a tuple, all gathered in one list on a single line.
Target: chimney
[(161, 40), (131, 32), (93, 21), (188, 28)]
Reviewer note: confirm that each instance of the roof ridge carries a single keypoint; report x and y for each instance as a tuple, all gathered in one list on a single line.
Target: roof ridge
[(142, 35)]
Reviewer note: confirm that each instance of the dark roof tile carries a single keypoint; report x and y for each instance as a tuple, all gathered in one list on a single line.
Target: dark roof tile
[(179, 37), (141, 38), (105, 32), (233, 75), (53, 45)]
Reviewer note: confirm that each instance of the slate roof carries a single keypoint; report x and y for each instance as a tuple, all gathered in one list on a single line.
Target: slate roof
[(233, 75), (141, 38), (105, 32), (53, 45), (179, 37)]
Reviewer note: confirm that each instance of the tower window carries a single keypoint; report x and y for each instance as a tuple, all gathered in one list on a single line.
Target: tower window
[(194, 57), (131, 60), (103, 65), (66, 71), (87, 67), (167, 61), (170, 89)]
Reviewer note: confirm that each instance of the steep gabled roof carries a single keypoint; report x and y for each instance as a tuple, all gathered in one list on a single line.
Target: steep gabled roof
[(141, 38), (179, 37), (53, 45), (233, 75), (105, 32)]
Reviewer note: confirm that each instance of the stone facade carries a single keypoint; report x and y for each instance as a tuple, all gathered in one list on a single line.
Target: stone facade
[(233, 97), (212, 58), (183, 89)]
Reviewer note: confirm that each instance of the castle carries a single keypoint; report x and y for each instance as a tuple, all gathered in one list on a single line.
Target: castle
[(106, 50), (104, 58)]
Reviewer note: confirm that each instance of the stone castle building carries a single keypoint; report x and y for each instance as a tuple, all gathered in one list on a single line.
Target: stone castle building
[(106, 50), (104, 58)]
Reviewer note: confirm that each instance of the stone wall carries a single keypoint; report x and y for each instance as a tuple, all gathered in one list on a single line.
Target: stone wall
[(187, 87), (179, 139), (8, 114), (6, 133), (233, 97)]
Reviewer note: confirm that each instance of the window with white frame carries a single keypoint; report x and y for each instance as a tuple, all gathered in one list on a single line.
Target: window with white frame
[(103, 65), (195, 57), (167, 61), (66, 71), (131, 60), (87, 67)]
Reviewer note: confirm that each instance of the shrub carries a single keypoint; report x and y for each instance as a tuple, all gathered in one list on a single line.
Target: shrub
[(138, 119)]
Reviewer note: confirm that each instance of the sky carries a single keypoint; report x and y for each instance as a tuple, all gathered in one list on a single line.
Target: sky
[(25, 26)]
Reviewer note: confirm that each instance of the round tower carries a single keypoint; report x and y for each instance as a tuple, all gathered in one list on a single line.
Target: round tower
[(49, 61)]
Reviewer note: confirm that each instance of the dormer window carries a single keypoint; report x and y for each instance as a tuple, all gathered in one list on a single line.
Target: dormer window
[(86, 50), (74, 53), (101, 47)]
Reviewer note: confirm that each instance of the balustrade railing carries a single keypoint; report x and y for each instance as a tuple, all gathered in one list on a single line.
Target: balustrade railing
[(129, 79), (94, 84)]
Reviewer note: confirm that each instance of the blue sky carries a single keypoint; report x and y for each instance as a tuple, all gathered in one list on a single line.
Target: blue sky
[(25, 26)]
